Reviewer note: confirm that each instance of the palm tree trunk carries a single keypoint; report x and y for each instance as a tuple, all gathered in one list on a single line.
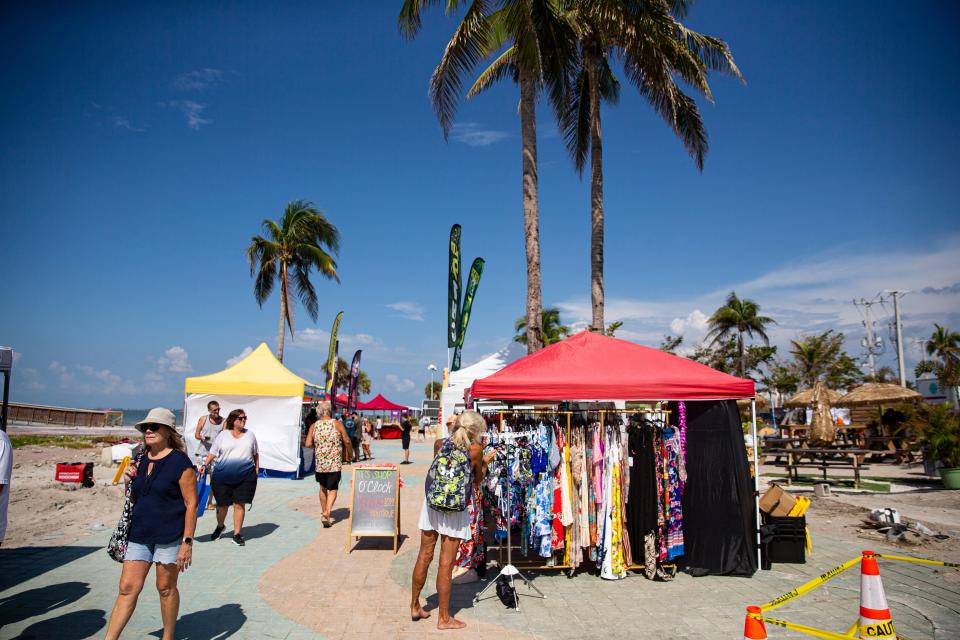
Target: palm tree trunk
[(283, 309), (596, 200), (742, 366), (531, 212)]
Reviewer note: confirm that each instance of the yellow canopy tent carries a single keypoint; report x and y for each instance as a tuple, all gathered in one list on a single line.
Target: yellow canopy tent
[(272, 397), (259, 374)]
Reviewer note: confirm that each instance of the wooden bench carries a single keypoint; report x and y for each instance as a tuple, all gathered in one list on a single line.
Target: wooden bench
[(822, 459)]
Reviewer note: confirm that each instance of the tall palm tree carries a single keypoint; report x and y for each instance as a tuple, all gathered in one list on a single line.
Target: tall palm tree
[(657, 50), (538, 49), (295, 245), (553, 329), (945, 345), (738, 317)]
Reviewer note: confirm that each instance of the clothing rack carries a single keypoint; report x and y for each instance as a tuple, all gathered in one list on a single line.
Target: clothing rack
[(503, 413)]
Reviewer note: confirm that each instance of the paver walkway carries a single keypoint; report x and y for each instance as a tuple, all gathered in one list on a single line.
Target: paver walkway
[(294, 580)]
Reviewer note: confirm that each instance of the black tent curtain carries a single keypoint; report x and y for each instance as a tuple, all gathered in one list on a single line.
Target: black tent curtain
[(719, 521)]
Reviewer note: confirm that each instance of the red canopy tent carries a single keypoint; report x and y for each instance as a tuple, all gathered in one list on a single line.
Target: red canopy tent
[(593, 367), (379, 403), (590, 366)]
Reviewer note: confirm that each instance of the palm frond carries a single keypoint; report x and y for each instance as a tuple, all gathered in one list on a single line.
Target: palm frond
[(410, 19), (462, 54), (575, 122), (503, 67), (306, 292)]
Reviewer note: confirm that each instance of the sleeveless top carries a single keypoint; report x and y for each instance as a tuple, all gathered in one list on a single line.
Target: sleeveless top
[(327, 444)]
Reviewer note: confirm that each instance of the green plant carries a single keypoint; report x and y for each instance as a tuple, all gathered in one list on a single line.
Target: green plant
[(734, 319), (941, 435)]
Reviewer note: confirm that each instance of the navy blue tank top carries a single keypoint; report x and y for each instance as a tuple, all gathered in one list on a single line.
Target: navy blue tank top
[(158, 509)]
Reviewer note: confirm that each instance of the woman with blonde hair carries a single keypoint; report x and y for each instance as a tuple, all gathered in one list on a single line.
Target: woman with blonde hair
[(456, 471), (328, 438)]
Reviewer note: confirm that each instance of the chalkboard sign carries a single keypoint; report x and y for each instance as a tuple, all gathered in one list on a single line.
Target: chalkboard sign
[(375, 503)]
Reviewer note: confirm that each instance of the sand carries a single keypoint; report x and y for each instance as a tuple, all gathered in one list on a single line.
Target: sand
[(44, 512)]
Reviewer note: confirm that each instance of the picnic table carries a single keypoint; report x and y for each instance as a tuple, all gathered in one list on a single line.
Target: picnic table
[(822, 458)]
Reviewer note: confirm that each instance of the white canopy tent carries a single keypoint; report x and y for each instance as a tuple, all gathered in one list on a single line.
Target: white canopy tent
[(451, 398), (272, 397)]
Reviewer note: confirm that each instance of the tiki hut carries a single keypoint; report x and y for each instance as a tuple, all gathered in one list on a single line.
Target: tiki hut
[(805, 398), (878, 393)]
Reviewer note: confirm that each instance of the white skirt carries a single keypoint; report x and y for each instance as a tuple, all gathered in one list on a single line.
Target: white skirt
[(455, 524)]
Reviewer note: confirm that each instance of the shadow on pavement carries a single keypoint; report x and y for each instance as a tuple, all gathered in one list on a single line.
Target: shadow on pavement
[(210, 624), (69, 626), (23, 563), (462, 594), (35, 602), (260, 530), (378, 543)]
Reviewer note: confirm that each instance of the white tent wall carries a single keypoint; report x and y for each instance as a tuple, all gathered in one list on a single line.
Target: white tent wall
[(451, 398), (275, 421)]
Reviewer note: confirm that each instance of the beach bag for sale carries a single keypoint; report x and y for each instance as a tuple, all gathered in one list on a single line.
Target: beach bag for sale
[(117, 547), (448, 481)]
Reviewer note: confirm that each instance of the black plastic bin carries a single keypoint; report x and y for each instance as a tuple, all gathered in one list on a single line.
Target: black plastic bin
[(783, 539)]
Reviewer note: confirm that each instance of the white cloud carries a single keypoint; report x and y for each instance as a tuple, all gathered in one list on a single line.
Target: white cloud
[(374, 349), (174, 360), (474, 135), (122, 122), (240, 356), (810, 296), (192, 111), (695, 322), (198, 79), (407, 310), (400, 385)]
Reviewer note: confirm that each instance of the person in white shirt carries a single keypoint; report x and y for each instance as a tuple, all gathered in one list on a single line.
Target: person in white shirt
[(6, 475), (236, 458), (379, 426)]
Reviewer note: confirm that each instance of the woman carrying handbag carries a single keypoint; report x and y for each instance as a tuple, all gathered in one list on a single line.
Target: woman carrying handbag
[(158, 521)]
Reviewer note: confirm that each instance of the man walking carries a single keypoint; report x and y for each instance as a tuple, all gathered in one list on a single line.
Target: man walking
[(208, 428)]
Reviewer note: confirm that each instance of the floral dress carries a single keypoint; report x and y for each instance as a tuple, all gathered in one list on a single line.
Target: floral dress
[(327, 446)]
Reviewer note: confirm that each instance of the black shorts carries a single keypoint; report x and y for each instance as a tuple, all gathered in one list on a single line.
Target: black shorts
[(355, 443), (405, 439), (329, 480), (227, 493)]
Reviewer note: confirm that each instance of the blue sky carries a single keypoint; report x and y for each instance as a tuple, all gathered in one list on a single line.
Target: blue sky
[(142, 145)]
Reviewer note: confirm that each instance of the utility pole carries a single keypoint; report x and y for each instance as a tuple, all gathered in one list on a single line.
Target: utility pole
[(899, 329), (868, 325)]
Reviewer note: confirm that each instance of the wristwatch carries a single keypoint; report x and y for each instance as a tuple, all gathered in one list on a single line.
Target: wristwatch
[(188, 541)]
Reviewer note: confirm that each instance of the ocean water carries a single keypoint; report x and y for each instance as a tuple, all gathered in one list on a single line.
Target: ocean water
[(133, 416)]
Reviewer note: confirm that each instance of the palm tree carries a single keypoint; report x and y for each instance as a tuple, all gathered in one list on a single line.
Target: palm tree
[(432, 390), (553, 330), (343, 378), (738, 317), (656, 50), (821, 357), (944, 344), (294, 246), (536, 55), (883, 374)]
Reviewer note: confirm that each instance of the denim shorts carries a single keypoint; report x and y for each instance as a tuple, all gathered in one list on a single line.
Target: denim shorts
[(158, 553)]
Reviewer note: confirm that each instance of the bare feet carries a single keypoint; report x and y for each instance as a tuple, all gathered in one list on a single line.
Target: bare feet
[(418, 613), (327, 521), (450, 623)]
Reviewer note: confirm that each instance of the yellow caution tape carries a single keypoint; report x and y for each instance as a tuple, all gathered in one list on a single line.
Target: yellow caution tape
[(937, 563), (808, 540), (809, 586), (812, 631)]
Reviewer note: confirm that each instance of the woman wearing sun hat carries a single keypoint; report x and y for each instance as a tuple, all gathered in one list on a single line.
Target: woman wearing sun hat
[(164, 493)]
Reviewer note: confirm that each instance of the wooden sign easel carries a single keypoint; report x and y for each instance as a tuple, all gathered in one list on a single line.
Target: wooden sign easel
[(374, 525)]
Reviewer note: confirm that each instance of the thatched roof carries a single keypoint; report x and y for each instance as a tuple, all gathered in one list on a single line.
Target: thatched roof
[(877, 392), (805, 398), (762, 402)]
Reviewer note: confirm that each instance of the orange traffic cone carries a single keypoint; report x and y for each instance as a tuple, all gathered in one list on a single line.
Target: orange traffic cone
[(753, 628), (875, 621)]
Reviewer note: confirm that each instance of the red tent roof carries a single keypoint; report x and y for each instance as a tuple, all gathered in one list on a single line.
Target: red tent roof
[(380, 403), (590, 366)]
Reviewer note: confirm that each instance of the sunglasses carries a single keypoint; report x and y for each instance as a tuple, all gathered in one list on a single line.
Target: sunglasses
[(241, 418), (152, 427)]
